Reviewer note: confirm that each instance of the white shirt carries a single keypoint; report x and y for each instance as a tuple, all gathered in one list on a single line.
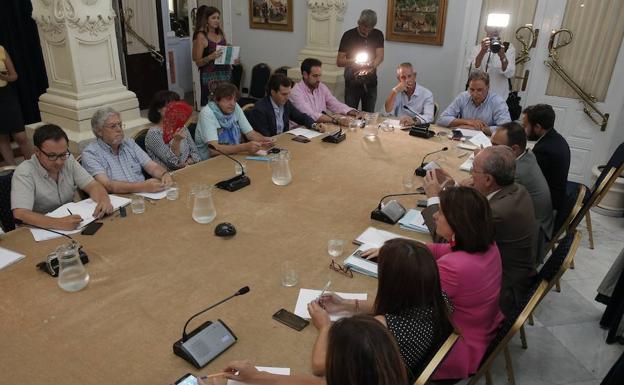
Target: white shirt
[(498, 78)]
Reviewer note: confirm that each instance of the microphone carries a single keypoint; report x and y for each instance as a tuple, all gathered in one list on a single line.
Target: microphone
[(235, 183), (392, 211), (420, 130), (51, 264), (420, 171), (337, 136), (419, 116), (207, 341)]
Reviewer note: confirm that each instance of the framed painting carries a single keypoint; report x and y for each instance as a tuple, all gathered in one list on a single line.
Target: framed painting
[(271, 14), (416, 21)]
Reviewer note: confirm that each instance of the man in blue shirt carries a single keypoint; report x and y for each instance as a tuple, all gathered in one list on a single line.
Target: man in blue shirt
[(408, 93), (477, 108)]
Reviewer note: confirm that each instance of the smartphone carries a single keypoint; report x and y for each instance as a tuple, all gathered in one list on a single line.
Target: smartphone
[(290, 319), (301, 139), (187, 379), (91, 228), (457, 135)]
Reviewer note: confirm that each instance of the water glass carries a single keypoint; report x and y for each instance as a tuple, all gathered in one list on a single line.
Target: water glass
[(354, 124), (371, 131), (137, 204), (386, 127), (289, 274), (238, 170), (409, 181), (173, 193), (335, 247)]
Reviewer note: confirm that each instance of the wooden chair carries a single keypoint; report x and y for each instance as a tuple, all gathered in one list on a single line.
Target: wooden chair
[(507, 330), (437, 359), (248, 106)]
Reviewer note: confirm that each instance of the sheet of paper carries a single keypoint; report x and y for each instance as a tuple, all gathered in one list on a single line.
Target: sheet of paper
[(283, 371), (230, 54), (467, 165), (155, 196), (375, 237), (8, 257), (308, 295), (431, 166), (481, 140), (396, 123), (467, 132), (304, 132)]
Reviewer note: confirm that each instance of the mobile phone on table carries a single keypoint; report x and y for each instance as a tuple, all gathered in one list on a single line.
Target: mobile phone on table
[(91, 228), (301, 139), (187, 379), (290, 319), (457, 135)]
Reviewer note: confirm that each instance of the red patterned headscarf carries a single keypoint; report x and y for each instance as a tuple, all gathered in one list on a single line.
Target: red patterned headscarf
[(176, 114)]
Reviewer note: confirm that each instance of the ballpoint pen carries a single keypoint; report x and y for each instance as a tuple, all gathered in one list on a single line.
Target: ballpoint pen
[(69, 211), (325, 288)]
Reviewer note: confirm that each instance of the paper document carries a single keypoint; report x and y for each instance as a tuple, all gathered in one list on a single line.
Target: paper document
[(83, 208), (304, 132), (230, 54), (467, 146), (361, 265), (375, 237), (396, 123), (467, 165), (481, 140), (467, 132), (431, 166), (8, 257), (414, 221), (283, 371), (155, 196), (308, 295)]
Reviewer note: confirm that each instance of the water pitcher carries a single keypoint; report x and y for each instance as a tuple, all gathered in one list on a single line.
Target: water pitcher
[(72, 274), (280, 168), (203, 207)]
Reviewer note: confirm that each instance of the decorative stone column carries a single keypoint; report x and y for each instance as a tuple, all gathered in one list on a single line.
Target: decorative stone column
[(82, 63), (323, 38)]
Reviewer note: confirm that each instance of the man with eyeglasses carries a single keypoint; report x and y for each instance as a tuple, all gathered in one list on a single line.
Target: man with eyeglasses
[(49, 179), (117, 162)]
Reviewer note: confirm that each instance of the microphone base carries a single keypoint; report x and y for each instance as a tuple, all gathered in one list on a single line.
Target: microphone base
[(422, 133), (420, 171), (389, 213), (233, 184), (335, 138), (205, 343)]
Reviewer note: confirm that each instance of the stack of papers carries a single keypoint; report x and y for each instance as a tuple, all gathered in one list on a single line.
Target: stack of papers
[(481, 139), (154, 196), (301, 131), (467, 132), (375, 238), (282, 371), (414, 221), (83, 208), (467, 165), (308, 295), (395, 123), (361, 265), (8, 257)]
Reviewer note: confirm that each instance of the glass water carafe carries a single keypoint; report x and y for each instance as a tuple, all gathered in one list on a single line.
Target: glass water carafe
[(280, 168), (73, 275), (203, 207)]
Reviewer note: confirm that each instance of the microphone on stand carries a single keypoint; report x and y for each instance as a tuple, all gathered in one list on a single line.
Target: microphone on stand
[(420, 171), (207, 341), (235, 183), (392, 211), (337, 136), (420, 130)]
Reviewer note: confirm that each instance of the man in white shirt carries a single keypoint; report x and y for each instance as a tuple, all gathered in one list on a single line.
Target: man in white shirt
[(408, 99)]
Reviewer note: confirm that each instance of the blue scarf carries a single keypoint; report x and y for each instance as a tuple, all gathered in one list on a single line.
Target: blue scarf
[(229, 131)]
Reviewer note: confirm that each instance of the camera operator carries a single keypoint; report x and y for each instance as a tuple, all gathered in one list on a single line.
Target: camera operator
[(491, 56)]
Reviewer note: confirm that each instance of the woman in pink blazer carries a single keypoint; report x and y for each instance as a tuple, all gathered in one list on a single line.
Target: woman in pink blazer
[(470, 273)]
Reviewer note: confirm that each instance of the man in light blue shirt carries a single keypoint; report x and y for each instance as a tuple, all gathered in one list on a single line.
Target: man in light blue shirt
[(477, 108), (408, 93)]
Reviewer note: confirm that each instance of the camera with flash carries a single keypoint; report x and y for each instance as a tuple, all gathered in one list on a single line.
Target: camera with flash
[(497, 21)]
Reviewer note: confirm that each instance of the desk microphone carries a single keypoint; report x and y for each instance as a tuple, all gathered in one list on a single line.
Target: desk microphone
[(392, 211), (209, 340), (235, 183), (420, 171), (419, 116), (51, 265), (420, 130), (337, 136)]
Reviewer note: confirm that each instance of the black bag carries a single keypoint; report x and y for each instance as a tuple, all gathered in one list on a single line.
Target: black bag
[(513, 103)]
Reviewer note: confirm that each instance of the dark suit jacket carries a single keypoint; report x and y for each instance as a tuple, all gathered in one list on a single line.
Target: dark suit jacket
[(262, 117), (553, 156), (514, 224)]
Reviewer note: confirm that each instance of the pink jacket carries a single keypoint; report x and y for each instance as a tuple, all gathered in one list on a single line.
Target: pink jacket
[(473, 283)]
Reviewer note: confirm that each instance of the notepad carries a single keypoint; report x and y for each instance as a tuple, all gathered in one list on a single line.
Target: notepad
[(308, 295), (83, 208), (413, 220), (467, 165), (229, 55), (481, 139), (282, 371), (361, 265), (8, 257), (304, 132), (375, 237)]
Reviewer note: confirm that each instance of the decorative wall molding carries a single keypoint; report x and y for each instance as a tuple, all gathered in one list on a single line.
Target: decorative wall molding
[(56, 14), (323, 9)]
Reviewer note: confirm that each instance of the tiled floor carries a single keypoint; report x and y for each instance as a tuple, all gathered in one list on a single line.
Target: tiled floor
[(566, 344)]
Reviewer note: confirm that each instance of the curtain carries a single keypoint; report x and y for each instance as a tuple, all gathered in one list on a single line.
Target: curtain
[(589, 60), (19, 36)]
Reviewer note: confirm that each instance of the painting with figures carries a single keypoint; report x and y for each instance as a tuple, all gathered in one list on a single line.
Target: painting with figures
[(271, 14), (416, 21)]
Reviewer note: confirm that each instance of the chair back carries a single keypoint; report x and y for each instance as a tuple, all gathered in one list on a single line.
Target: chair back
[(248, 106), (6, 214), (574, 201), (436, 109), (282, 70), (139, 138), (191, 128), (560, 259), (237, 75), (260, 74), (437, 359), (606, 179)]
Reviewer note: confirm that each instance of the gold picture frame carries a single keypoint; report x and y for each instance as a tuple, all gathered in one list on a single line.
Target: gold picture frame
[(271, 14), (416, 21)]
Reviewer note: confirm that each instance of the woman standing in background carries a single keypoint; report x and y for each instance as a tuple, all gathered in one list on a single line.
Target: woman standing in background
[(11, 121)]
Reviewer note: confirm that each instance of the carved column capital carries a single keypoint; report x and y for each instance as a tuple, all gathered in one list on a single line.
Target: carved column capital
[(321, 9), (91, 17)]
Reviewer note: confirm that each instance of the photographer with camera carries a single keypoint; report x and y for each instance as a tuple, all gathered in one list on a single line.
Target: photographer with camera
[(491, 56)]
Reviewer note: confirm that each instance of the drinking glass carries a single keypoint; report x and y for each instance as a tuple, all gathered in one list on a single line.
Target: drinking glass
[(409, 181), (289, 274), (137, 204), (173, 193), (354, 124), (335, 247), (386, 127), (371, 131)]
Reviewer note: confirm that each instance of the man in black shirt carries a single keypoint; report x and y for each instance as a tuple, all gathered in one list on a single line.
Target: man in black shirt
[(551, 150), (361, 51)]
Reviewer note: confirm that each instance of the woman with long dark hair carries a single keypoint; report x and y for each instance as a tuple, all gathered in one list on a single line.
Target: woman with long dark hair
[(207, 36)]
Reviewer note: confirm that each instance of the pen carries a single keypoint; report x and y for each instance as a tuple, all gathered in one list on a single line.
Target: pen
[(70, 213), (325, 288), (220, 374)]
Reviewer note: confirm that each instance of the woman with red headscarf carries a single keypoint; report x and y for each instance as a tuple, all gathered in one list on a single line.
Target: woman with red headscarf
[(169, 142)]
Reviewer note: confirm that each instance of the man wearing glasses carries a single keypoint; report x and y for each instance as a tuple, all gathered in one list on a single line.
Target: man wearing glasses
[(49, 180), (117, 162)]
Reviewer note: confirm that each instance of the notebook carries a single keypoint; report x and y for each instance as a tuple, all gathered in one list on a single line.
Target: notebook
[(361, 265), (8, 257), (375, 238), (414, 221), (283, 371)]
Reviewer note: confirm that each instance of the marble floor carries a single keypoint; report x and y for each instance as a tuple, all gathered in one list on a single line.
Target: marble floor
[(566, 344)]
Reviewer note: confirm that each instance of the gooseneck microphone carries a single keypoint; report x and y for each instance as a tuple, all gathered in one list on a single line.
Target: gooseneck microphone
[(419, 116), (207, 341), (420, 130), (337, 136), (392, 211), (235, 183), (420, 171)]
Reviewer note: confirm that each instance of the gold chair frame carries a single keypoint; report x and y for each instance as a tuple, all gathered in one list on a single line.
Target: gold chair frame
[(437, 359)]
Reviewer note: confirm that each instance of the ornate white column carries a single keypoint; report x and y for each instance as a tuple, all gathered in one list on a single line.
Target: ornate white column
[(323, 38), (82, 63)]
